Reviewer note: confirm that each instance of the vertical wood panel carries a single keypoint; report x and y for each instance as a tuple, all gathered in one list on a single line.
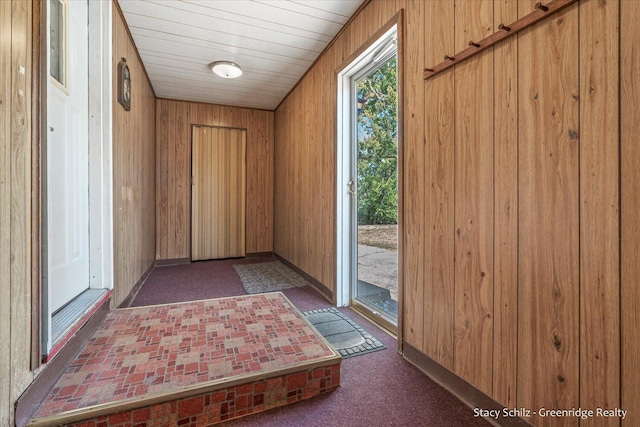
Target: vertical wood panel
[(474, 199), (599, 209), (312, 213), (175, 108), (260, 187), (299, 167), (548, 371), (196, 152), (162, 181), (265, 244), (414, 143), (15, 203), (328, 243), (254, 211), (532, 199), (20, 297), (134, 170), (177, 130), (305, 222), (183, 181), (278, 167), (439, 191), (505, 332), (6, 72), (630, 205)]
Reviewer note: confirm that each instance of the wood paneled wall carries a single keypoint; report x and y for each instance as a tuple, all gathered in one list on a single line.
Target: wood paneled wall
[(305, 163), (630, 207), (516, 251), (134, 170), (15, 203), (173, 164)]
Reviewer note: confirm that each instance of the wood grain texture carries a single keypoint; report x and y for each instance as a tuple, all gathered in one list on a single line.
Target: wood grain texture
[(173, 158), (630, 206), (477, 46), (413, 309), (599, 209), (473, 172), (305, 174), (218, 194), (5, 210), (548, 267), (529, 232), (20, 200), (260, 210), (438, 201), (329, 202), (302, 224), (134, 171), (505, 270), (162, 181)]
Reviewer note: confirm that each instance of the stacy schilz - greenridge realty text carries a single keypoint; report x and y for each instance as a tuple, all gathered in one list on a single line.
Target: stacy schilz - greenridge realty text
[(549, 413)]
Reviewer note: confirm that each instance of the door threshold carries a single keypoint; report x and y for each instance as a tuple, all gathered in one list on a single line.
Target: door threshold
[(385, 322), (68, 315)]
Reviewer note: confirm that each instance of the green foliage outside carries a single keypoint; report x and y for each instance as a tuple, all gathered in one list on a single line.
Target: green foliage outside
[(378, 146)]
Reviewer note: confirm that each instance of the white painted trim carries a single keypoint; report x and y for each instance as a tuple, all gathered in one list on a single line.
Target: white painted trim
[(100, 147), (343, 171), (100, 158), (345, 221)]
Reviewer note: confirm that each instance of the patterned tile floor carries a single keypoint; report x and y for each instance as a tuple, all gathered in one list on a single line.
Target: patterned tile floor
[(153, 350)]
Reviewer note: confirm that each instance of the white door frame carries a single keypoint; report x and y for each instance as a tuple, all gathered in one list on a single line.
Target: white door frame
[(100, 146), (100, 158), (344, 143)]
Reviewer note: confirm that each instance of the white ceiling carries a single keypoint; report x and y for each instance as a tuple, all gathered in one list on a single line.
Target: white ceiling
[(274, 41)]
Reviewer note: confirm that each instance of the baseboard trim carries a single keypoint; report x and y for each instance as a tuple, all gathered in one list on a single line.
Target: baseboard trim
[(136, 288), (173, 261), (326, 292), (260, 255), (35, 394), (464, 391)]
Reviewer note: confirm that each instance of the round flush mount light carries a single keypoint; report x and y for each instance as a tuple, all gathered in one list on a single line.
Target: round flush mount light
[(226, 69)]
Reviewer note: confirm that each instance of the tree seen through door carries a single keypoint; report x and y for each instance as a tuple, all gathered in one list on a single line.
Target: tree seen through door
[(377, 186)]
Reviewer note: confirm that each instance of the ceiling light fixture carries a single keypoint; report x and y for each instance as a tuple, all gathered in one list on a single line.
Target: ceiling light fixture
[(226, 69)]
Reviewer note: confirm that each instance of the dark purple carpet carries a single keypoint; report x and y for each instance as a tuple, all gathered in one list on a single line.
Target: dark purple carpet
[(377, 389), (189, 282)]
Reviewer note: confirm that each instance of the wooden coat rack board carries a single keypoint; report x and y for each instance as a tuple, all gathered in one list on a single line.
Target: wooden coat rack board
[(540, 12)]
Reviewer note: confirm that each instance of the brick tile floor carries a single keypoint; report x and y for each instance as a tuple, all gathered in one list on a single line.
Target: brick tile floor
[(150, 351)]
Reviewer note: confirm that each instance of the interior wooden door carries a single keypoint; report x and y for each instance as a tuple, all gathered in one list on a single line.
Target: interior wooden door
[(218, 193)]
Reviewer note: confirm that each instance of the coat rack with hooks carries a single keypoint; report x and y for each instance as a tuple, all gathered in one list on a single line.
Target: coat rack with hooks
[(540, 12)]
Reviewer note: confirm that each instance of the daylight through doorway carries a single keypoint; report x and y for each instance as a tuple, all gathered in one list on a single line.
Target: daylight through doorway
[(375, 171)]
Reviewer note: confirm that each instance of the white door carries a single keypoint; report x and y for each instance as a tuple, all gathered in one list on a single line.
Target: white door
[(67, 152)]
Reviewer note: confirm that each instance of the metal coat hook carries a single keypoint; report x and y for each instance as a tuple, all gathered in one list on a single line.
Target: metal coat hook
[(542, 7), (505, 32)]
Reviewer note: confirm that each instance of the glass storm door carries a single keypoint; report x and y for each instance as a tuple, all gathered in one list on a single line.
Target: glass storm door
[(374, 187)]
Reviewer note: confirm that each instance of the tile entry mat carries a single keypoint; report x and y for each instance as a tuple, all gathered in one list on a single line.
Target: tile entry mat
[(345, 335)]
